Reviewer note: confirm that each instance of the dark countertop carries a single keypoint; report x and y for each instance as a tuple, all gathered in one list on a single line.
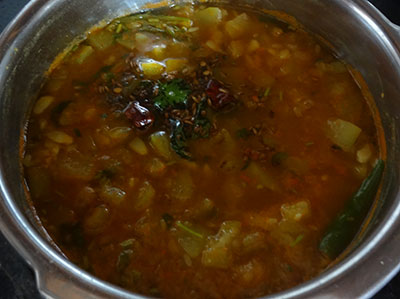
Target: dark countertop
[(16, 277)]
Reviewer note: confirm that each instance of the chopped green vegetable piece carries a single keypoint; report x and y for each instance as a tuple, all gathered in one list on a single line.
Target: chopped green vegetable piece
[(238, 26), (161, 144), (297, 241), (343, 133), (101, 40), (266, 92), (210, 16), (345, 226), (104, 115), (119, 28), (127, 40), (155, 167), (189, 230), (138, 146), (82, 54), (309, 143), (171, 94), (192, 245), (278, 158), (261, 176), (124, 259), (145, 196), (127, 243), (218, 251)]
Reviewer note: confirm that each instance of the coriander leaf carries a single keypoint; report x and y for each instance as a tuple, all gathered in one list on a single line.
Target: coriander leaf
[(171, 94), (189, 230)]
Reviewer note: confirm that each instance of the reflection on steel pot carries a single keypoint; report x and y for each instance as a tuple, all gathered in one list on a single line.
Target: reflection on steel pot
[(358, 32)]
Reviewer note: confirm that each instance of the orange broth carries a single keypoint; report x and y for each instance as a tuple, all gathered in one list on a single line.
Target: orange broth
[(197, 152)]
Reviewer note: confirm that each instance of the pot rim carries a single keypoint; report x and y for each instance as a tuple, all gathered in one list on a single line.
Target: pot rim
[(46, 261)]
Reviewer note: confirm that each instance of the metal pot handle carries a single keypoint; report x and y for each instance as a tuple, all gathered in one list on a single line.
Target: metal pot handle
[(395, 34), (396, 29), (52, 284), (379, 15)]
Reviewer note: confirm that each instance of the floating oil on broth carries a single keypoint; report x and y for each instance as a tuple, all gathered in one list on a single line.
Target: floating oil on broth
[(197, 152)]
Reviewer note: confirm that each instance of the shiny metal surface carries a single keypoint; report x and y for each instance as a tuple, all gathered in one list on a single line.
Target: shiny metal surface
[(360, 35)]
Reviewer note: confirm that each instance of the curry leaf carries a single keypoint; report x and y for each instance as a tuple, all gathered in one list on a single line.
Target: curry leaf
[(179, 139), (202, 125), (182, 133)]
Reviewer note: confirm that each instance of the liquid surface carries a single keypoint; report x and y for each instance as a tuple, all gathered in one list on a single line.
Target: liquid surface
[(197, 152)]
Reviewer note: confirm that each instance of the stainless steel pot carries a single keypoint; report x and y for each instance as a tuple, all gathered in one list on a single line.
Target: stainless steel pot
[(360, 35)]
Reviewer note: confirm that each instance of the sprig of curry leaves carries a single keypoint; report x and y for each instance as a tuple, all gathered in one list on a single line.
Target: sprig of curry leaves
[(174, 94), (182, 133), (179, 139), (173, 26)]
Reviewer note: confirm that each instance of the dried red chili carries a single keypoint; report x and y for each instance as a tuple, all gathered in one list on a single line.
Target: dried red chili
[(219, 96), (141, 117)]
